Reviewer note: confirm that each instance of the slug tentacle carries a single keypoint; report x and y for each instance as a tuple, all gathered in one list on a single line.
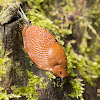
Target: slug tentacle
[(61, 81)]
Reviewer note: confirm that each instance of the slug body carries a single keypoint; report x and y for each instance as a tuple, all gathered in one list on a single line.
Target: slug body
[(44, 50)]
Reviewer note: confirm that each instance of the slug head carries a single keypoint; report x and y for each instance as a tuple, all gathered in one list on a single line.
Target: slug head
[(59, 71), (58, 60), (26, 26)]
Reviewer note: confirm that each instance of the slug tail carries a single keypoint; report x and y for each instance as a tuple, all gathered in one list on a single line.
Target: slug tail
[(25, 28)]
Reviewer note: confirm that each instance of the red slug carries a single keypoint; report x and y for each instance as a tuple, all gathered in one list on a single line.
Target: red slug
[(44, 50)]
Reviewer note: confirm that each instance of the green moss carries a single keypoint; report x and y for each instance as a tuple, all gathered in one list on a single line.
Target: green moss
[(78, 89), (30, 91), (50, 75), (5, 64)]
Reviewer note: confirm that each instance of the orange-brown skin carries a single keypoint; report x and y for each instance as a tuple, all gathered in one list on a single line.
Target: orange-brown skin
[(44, 50)]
